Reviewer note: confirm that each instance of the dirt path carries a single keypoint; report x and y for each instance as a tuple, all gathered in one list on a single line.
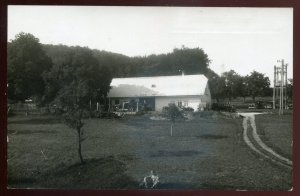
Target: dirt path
[(257, 145)]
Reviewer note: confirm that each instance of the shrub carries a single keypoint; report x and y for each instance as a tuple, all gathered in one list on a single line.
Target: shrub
[(223, 107), (188, 109), (172, 111)]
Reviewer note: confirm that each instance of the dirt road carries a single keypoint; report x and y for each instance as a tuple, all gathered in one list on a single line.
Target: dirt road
[(256, 144)]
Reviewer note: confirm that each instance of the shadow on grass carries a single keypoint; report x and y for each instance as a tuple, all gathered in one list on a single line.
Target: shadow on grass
[(20, 132), (36, 120), (182, 153), (103, 173), (211, 136), (23, 182), (174, 186)]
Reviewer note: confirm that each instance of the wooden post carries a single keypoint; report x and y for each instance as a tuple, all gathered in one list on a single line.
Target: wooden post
[(274, 87), (281, 87), (286, 105)]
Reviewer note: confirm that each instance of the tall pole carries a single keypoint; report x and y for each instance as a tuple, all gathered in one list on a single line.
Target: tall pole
[(286, 86), (274, 87), (277, 87), (281, 85), (279, 94)]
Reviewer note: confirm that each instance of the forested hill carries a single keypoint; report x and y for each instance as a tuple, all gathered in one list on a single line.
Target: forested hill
[(189, 60)]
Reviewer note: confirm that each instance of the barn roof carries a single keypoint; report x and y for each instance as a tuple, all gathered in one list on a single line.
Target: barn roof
[(158, 86)]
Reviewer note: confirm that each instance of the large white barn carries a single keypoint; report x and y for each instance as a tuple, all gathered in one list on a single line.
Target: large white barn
[(153, 93)]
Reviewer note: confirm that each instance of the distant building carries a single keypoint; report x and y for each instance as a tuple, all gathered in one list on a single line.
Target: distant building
[(153, 93)]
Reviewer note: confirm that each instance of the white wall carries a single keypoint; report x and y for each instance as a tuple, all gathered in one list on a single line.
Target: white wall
[(192, 101)]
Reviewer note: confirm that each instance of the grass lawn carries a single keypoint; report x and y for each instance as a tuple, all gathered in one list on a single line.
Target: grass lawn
[(206, 153), (276, 132)]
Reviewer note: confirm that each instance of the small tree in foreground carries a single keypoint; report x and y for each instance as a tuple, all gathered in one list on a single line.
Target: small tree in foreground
[(80, 80), (172, 111), (74, 100)]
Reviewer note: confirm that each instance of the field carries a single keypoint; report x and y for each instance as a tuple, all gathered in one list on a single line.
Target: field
[(206, 153)]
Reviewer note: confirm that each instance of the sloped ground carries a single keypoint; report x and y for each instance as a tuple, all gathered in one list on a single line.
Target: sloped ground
[(206, 153), (276, 132)]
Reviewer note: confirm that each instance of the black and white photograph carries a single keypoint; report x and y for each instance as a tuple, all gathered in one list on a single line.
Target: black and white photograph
[(149, 98)]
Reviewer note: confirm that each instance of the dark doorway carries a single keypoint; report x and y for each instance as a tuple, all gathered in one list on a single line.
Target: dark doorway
[(147, 103)]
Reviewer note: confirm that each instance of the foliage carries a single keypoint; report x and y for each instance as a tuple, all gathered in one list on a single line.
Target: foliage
[(217, 87), (223, 107), (188, 60), (73, 83), (232, 84), (172, 112), (188, 109), (77, 68), (242, 87), (26, 63), (258, 84)]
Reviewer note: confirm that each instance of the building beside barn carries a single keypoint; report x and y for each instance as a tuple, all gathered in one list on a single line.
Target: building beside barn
[(154, 93)]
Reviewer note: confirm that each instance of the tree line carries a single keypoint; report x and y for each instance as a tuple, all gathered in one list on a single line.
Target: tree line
[(41, 72)]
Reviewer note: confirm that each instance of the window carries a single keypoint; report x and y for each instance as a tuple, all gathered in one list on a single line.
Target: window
[(117, 101), (180, 104), (185, 104)]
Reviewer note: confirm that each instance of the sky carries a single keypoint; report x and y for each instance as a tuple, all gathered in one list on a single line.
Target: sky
[(242, 39)]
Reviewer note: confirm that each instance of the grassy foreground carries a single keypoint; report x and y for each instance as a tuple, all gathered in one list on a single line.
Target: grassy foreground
[(206, 153)]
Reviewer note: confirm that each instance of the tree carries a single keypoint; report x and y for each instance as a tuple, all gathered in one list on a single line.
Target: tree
[(258, 84), (26, 63), (232, 80), (172, 111), (189, 60), (217, 87), (242, 87), (81, 80)]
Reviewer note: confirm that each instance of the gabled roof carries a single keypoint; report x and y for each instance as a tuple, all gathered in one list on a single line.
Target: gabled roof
[(158, 86)]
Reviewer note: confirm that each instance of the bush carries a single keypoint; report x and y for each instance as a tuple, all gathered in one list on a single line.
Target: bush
[(141, 112), (172, 112), (203, 114), (223, 107), (188, 109)]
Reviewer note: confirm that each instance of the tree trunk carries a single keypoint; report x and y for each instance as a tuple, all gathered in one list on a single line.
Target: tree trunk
[(79, 146), (171, 129)]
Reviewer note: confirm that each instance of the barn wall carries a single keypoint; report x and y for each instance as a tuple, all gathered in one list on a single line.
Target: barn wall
[(192, 101), (206, 98)]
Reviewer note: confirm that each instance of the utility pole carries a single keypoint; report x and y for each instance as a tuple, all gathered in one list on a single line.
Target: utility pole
[(280, 86), (286, 105), (274, 88)]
